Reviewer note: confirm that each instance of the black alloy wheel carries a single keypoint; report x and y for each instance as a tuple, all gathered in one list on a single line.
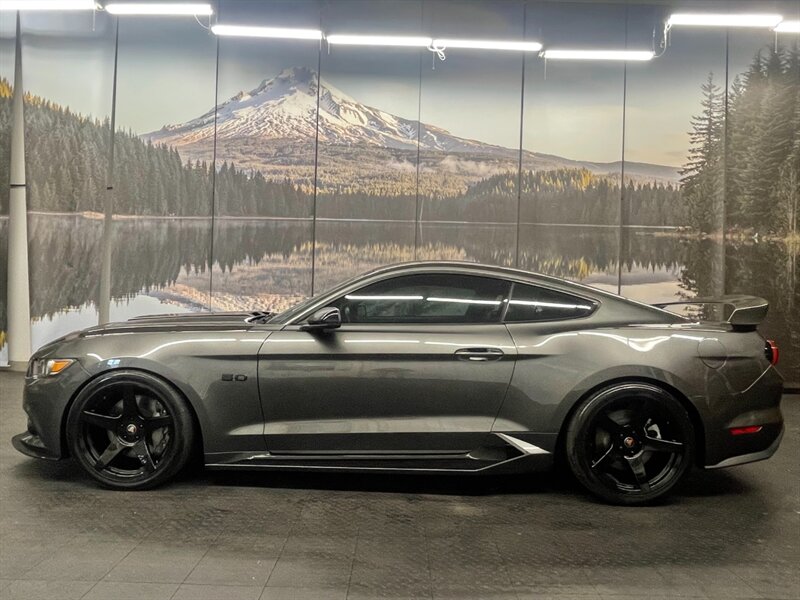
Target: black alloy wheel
[(130, 430), (630, 443)]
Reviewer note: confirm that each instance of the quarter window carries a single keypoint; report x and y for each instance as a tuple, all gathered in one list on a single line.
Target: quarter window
[(532, 303), (428, 298)]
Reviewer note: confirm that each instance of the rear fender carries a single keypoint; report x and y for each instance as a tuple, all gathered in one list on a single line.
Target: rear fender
[(695, 403)]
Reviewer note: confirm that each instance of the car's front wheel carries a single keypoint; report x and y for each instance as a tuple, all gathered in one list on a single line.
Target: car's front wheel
[(130, 430), (630, 443)]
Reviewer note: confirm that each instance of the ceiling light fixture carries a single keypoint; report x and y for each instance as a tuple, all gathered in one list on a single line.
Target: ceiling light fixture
[(487, 45), (379, 40), (788, 27), (599, 54), (141, 8), (47, 5), (267, 32), (724, 20)]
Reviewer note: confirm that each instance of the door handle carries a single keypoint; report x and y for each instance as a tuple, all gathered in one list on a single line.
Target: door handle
[(479, 354)]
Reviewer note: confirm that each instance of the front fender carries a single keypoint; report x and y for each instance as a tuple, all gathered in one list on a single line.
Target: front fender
[(216, 372)]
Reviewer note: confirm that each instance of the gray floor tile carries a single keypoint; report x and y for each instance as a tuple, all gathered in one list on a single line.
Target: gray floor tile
[(45, 590), (304, 593), (575, 589), (82, 563), (389, 588), (148, 563), (322, 545), (265, 545), (310, 572), (216, 592), (120, 590), (730, 592), (227, 568), (16, 558), (467, 592)]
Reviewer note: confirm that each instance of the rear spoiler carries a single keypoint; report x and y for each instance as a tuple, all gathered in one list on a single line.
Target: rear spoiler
[(746, 312)]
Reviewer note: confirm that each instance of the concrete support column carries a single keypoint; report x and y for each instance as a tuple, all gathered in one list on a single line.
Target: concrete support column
[(19, 307), (104, 299)]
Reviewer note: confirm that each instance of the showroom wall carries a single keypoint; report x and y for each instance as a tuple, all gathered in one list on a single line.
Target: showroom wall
[(658, 180)]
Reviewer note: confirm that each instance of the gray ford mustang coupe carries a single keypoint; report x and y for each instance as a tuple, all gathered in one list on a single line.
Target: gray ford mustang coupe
[(424, 367)]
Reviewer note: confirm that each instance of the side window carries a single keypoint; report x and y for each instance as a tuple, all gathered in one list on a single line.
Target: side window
[(428, 298), (531, 303)]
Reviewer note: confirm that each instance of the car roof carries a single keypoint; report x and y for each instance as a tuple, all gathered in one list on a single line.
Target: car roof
[(484, 269), (625, 307)]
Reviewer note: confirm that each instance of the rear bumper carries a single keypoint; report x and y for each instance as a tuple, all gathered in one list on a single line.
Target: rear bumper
[(752, 457), (758, 405)]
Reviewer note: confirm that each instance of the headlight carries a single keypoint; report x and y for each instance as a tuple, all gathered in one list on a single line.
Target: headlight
[(48, 367)]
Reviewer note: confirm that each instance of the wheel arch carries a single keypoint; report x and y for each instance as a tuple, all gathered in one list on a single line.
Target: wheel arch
[(691, 409), (165, 380)]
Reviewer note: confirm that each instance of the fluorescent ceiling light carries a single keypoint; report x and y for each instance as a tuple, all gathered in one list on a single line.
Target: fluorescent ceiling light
[(47, 5), (267, 32), (379, 40), (599, 54), (140, 8), (550, 304), (446, 44), (358, 297), (725, 20), (788, 27), (464, 301)]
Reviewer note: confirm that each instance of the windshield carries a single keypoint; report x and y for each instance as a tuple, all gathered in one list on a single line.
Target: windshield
[(297, 309)]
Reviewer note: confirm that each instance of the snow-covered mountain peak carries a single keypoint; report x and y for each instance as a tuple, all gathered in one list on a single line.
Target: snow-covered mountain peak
[(281, 112)]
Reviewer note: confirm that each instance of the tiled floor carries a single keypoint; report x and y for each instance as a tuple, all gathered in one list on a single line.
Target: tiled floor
[(729, 534)]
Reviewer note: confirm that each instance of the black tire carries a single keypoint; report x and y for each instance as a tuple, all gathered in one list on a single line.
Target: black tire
[(130, 430), (630, 443)]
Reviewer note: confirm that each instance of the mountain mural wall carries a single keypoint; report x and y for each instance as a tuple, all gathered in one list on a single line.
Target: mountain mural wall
[(169, 172), (271, 129), (394, 185)]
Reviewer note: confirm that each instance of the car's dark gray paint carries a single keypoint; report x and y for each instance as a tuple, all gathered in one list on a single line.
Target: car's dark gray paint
[(400, 396)]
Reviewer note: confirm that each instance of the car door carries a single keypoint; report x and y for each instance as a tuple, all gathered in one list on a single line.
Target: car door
[(421, 363)]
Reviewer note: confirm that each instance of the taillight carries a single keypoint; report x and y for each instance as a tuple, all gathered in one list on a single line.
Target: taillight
[(771, 352), (750, 429)]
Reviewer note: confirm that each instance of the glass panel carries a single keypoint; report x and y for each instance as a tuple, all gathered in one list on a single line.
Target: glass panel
[(470, 133), (572, 140), (266, 130), (348, 248), (7, 57), (368, 127), (430, 298), (162, 185), (531, 303), (664, 256), (68, 66), (762, 253)]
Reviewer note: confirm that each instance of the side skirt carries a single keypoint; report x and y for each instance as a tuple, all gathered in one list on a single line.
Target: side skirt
[(512, 455)]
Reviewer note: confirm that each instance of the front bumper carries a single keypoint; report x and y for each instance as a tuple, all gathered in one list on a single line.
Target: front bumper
[(31, 445), (45, 401)]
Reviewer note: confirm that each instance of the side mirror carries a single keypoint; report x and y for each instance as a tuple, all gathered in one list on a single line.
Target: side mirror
[(323, 320)]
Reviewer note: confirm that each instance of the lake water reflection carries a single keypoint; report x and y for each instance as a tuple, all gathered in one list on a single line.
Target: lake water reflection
[(166, 265)]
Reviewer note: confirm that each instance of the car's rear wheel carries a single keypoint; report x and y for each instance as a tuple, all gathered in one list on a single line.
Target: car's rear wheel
[(130, 430), (630, 443)]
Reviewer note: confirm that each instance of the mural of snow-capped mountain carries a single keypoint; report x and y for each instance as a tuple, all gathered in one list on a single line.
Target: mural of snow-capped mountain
[(272, 129)]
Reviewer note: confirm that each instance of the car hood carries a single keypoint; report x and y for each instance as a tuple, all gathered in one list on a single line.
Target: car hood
[(181, 322)]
